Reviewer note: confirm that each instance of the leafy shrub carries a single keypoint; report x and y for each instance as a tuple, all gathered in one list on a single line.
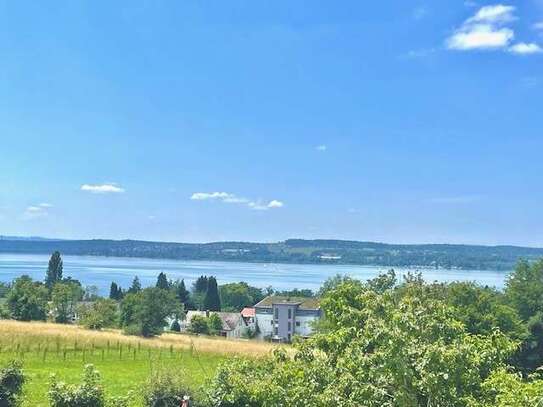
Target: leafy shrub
[(199, 325), (215, 324), (175, 326), (100, 314), (11, 384), (88, 394), (164, 389)]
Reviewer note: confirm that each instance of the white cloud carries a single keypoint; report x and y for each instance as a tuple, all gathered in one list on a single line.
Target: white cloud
[(497, 13), (102, 188), (204, 196), (489, 29), (229, 198), (275, 204), (538, 26), (322, 147), (523, 48), (37, 211), (482, 36)]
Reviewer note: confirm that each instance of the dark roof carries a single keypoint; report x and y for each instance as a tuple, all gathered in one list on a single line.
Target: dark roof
[(304, 302)]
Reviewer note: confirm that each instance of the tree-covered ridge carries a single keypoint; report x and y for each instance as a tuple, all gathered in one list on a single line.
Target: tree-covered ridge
[(294, 251)]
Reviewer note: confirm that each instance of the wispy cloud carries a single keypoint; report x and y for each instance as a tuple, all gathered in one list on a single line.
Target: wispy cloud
[(523, 48), (538, 26), (490, 29), (229, 198), (37, 211), (322, 148), (102, 188)]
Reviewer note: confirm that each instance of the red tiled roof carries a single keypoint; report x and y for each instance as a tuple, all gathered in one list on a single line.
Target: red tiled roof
[(248, 312)]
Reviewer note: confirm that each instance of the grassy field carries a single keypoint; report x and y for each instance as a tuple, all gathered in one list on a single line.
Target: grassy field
[(124, 362)]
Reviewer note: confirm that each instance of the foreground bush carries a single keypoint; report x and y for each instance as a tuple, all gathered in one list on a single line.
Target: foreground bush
[(165, 389), (11, 384), (383, 347), (88, 394)]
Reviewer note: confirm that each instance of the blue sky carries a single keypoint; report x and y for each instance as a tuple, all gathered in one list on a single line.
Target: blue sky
[(393, 121)]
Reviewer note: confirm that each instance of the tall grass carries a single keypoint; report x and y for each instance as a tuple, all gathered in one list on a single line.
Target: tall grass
[(40, 336), (125, 362)]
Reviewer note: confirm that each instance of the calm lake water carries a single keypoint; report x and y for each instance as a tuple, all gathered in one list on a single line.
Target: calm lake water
[(101, 271)]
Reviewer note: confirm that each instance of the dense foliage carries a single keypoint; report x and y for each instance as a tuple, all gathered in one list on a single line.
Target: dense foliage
[(145, 313), (165, 389), (384, 344), (27, 300), (102, 313), (11, 384)]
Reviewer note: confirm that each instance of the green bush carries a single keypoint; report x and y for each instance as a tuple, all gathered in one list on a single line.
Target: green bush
[(199, 325), (88, 394), (175, 326), (11, 384), (164, 389)]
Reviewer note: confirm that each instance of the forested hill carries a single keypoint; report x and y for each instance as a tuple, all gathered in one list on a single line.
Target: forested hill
[(292, 251)]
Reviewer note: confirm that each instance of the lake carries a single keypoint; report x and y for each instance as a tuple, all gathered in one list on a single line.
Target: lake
[(101, 271)]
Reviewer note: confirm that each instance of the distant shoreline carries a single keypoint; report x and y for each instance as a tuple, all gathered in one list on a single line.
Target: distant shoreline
[(294, 251)]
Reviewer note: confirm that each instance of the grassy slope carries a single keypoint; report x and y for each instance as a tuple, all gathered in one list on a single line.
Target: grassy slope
[(124, 362)]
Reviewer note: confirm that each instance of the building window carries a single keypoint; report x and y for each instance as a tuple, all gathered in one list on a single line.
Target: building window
[(290, 313), (276, 313), (276, 331), (297, 323), (271, 322), (289, 337), (289, 326)]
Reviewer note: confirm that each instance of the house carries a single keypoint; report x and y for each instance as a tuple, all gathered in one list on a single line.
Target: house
[(280, 318), (231, 326)]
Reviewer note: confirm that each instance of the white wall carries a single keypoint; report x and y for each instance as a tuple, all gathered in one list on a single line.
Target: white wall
[(266, 328)]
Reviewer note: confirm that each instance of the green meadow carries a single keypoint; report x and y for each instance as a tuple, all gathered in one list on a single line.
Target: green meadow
[(124, 362)]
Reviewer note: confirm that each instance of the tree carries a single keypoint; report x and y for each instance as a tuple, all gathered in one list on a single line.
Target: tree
[(135, 287), (181, 292), (102, 313), (236, 296), (145, 313), (212, 301), (199, 288), (215, 323), (115, 292), (91, 293), (382, 349), (162, 282), (200, 285), (64, 298), (27, 300), (54, 270), (524, 289), (199, 325)]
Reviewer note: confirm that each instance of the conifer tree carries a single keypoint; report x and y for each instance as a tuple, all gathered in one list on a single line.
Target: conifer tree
[(212, 300), (135, 287), (115, 292), (162, 282), (54, 270)]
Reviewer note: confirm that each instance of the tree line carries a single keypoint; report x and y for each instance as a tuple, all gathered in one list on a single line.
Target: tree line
[(138, 310)]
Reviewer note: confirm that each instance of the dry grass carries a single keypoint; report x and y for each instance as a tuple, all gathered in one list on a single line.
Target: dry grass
[(32, 334)]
